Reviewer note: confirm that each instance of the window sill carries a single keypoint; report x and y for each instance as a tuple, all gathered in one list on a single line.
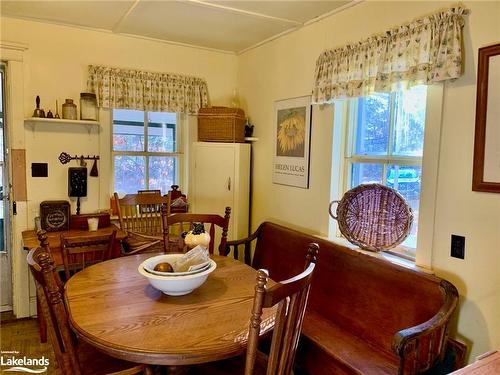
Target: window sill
[(381, 255)]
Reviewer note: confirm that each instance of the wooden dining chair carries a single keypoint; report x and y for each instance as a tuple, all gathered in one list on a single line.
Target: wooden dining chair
[(73, 357), (175, 224), (290, 297), (141, 218), (82, 251)]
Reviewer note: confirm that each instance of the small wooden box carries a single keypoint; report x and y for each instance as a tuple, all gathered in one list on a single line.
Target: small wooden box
[(221, 124), (79, 222)]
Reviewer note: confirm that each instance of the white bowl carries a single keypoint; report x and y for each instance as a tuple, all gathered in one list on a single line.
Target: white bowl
[(152, 262), (174, 285)]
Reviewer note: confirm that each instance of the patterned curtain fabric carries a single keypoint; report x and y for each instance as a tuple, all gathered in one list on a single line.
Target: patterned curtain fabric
[(147, 91), (424, 51)]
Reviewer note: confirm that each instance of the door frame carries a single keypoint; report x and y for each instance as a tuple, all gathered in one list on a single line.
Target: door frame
[(6, 252), (14, 54)]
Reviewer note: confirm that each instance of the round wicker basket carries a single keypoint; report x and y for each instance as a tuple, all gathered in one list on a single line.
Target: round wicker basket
[(373, 216)]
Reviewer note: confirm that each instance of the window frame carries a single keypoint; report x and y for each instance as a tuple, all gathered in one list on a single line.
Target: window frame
[(178, 154), (340, 173)]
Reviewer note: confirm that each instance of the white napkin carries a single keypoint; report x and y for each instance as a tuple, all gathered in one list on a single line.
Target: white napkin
[(193, 259)]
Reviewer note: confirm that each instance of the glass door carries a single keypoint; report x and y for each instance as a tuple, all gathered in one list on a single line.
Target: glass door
[(5, 256)]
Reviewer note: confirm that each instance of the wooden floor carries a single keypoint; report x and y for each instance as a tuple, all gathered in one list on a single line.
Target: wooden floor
[(22, 336)]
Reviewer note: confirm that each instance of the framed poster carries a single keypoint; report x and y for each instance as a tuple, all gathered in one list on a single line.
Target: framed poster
[(486, 169), (292, 134)]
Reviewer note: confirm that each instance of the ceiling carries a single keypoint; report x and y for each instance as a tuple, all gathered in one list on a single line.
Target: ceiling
[(232, 26)]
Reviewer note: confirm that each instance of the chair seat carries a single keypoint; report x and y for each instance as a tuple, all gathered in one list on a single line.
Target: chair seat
[(94, 362), (231, 366)]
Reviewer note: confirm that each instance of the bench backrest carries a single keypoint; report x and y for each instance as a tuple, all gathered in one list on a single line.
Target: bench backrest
[(370, 297)]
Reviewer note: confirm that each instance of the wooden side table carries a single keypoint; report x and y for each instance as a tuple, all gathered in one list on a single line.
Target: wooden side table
[(487, 364), (30, 240)]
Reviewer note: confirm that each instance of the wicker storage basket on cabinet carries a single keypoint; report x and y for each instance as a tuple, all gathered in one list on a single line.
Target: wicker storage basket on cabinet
[(221, 124)]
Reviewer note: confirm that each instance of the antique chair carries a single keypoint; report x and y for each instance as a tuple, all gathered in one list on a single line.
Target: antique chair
[(140, 217), (82, 251), (175, 224), (73, 357), (290, 296)]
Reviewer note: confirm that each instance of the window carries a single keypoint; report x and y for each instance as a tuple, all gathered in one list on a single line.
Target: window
[(146, 151), (384, 143)]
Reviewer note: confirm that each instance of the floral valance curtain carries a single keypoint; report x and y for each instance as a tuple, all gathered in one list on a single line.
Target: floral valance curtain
[(148, 91), (424, 51)]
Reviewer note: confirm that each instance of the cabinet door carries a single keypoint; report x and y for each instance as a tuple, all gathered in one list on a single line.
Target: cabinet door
[(213, 178)]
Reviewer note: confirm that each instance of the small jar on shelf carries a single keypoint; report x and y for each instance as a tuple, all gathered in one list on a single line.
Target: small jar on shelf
[(88, 106), (69, 110)]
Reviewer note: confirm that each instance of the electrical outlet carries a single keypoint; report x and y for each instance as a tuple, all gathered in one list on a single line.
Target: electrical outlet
[(457, 246)]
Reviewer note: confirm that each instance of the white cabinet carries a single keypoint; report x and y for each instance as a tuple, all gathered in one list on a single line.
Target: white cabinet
[(220, 177)]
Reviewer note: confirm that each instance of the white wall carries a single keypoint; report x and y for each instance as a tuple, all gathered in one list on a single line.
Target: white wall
[(284, 69), (55, 67)]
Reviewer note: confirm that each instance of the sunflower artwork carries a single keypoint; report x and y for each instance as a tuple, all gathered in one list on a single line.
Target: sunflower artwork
[(291, 132), (292, 136)]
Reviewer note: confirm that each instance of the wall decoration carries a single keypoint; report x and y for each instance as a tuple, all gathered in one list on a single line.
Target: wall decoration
[(39, 169), (292, 142), (54, 215), (486, 170)]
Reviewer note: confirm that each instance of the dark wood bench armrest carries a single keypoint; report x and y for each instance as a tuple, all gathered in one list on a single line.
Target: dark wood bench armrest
[(428, 337), (247, 246)]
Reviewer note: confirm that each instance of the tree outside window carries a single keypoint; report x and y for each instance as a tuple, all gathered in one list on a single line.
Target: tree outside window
[(145, 151)]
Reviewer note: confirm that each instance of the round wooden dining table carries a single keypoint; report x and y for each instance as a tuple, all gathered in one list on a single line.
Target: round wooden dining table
[(114, 308)]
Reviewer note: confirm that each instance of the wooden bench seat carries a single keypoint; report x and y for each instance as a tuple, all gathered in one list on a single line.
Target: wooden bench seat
[(349, 350), (365, 314)]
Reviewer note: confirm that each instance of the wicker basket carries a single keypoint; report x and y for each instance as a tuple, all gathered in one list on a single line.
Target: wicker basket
[(221, 124), (373, 217)]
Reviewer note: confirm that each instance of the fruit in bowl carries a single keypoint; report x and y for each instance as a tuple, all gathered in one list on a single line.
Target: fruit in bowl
[(174, 283), (163, 267)]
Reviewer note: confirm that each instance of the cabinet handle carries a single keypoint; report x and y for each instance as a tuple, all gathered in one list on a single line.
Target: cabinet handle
[(229, 184)]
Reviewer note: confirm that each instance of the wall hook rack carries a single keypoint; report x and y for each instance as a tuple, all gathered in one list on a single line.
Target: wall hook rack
[(65, 158)]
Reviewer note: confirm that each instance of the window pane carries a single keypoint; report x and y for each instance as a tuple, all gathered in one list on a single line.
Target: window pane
[(409, 113), (366, 173), (372, 130), (162, 172), (406, 180), (161, 132), (129, 173), (128, 130)]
